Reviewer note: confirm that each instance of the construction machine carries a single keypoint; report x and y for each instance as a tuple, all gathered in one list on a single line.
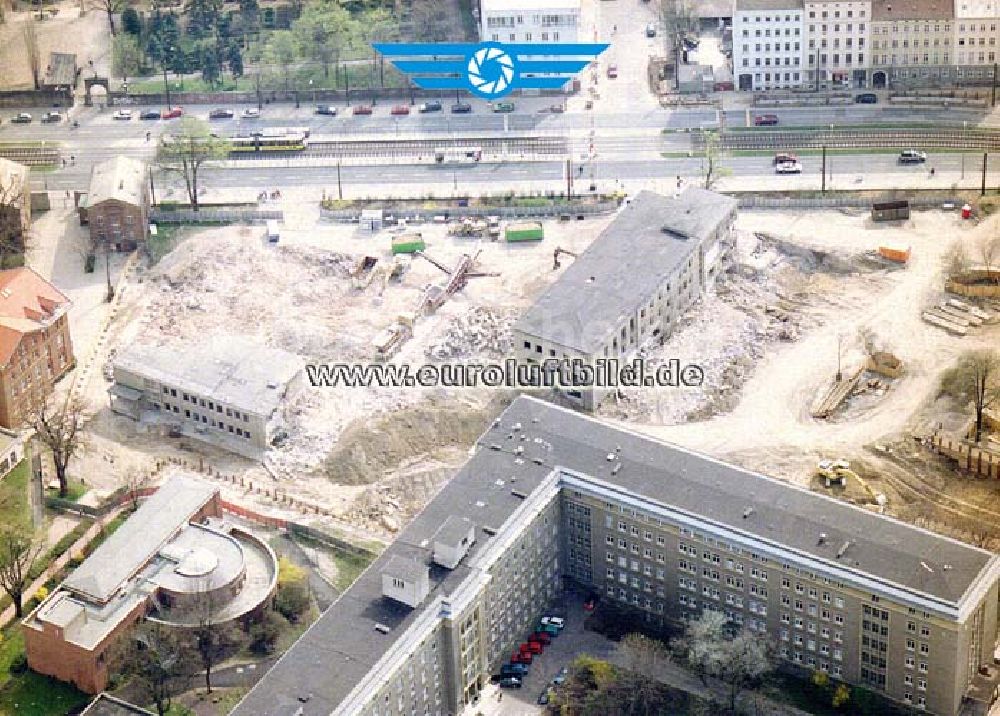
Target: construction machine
[(555, 256)]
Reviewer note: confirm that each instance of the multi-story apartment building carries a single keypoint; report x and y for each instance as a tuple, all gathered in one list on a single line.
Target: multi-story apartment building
[(912, 43), (976, 41), (227, 391), (837, 52), (117, 205), (551, 494), (632, 284), (768, 44), (529, 21), (35, 345)]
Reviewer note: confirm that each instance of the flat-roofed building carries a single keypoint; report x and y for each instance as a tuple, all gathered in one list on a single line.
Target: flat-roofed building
[(117, 204), (768, 44), (534, 21), (226, 391), (837, 43), (912, 43), (657, 529)]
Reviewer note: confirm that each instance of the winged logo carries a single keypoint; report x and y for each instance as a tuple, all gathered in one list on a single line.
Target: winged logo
[(489, 69)]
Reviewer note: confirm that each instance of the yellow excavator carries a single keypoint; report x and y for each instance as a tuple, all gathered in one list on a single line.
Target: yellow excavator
[(838, 472)]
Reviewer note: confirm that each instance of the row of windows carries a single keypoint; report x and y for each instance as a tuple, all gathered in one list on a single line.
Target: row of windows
[(210, 404), (205, 420)]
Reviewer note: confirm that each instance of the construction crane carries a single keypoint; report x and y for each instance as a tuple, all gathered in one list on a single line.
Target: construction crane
[(555, 256), (458, 277)]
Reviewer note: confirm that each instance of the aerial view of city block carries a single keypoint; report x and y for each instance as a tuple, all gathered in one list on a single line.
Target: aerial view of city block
[(499, 357)]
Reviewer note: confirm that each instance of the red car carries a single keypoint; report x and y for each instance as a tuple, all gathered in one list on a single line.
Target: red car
[(362, 109), (173, 113), (765, 120), (541, 637), (401, 109), (532, 647), (521, 657)]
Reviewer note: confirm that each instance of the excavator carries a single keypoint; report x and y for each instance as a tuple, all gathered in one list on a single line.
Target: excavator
[(837, 472), (555, 257)]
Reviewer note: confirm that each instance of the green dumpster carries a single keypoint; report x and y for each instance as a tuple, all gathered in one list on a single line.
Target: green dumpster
[(526, 231), (407, 243)]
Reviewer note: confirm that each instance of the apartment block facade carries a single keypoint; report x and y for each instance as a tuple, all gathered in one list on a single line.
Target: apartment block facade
[(557, 496), (837, 52), (768, 44), (548, 21)]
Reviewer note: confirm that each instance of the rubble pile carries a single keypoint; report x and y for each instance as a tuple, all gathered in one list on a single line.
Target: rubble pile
[(481, 330)]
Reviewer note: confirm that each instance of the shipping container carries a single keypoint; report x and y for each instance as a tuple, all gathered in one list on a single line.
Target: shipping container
[(891, 211), (526, 231), (408, 243), (895, 252)]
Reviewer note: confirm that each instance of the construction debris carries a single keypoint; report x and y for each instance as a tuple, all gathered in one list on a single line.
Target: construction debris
[(957, 317), (482, 330)]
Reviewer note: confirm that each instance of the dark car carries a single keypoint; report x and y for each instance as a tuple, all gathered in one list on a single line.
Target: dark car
[(510, 682), (866, 98), (461, 108), (765, 120), (513, 670), (326, 109), (149, 114), (23, 118), (220, 114), (430, 106), (362, 109), (543, 698)]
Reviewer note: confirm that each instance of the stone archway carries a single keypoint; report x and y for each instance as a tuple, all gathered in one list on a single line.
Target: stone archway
[(879, 80), (88, 84)]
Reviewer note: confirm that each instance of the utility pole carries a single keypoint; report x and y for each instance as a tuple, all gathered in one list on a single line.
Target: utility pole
[(982, 191), (340, 188), (569, 178), (823, 186), (996, 79), (152, 189)]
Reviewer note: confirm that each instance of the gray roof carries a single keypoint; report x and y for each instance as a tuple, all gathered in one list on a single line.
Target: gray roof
[(454, 530), (230, 369), (340, 648), (622, 269), (131, 547), (120, 178), (888, 10), (61, 69), (107, 705), (751, 5), (412, 570)]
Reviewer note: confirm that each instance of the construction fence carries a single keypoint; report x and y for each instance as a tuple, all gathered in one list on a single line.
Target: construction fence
[(504, 212), (757, 201), (970, 458), (216, 216)]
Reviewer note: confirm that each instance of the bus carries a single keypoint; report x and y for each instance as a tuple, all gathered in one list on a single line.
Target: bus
[(270, 143), (457, 155)]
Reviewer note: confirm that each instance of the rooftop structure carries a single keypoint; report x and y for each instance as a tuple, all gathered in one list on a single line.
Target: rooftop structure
[(913, 10), (61, 70), (120, 178), (107, 705)]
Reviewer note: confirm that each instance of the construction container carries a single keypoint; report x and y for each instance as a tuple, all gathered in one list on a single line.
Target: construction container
[(891, 211), (408, 243), (524, 231), (966, 211), (899, 253)]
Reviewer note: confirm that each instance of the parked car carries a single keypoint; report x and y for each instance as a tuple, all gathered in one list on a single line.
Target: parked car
[(650, 30), (125, 114), (50, 117), (765, 120), (221, 114), (561, 676), (461, 108), (541, 637), (557, 622), (517, 669), (510, 682), (22, 118), (590, 604), (430, 106), (250, 113), (782, 157), (149, 114), (557, 108), (866, 98), (612, 71), (400, 109), (788, 168), (494, 678), (326, 109), (532, 647), (912, 156), (519, 657), (549, 629), (502, 107), (173, 113), (543, 698), (362, 109)]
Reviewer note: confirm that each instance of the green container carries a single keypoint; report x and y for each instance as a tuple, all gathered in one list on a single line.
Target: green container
[(408, 243), (528, 231)]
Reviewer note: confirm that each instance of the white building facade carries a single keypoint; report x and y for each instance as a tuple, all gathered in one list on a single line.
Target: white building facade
[(837, 44), (553, 21), (768, 44)]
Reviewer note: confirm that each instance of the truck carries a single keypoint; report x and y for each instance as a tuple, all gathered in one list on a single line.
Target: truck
[(389, 341), (524, 231)]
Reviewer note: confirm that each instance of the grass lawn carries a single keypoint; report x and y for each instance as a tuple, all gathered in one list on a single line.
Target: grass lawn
[(348, 568), (15, 505), (74, 491), (28, 693)]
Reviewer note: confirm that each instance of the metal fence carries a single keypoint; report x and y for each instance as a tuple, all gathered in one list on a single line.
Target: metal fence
[(981, 139), (419, 215), (216, 216), (756, 201), (31, 156)]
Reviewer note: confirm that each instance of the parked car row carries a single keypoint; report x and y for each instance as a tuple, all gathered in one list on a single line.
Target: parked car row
[(512, 673), (126, 114), (26, 118)]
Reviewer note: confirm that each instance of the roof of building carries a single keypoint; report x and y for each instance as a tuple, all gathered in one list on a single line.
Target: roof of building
[(332, 657), (136, 542), (632, 257), (495, 6), (232, 370), (27, 303), (454, 530), (883, 10), (120, 178), (108, 705), (12, 170), (61, 69), (751, 5), (410, 569)]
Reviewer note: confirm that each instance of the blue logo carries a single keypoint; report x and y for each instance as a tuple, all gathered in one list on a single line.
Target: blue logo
[(490, 70)]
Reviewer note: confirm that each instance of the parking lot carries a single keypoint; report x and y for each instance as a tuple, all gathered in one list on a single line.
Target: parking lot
[(571, 643)]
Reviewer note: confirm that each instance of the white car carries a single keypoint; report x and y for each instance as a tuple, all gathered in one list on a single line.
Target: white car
[(788, 168), (251, 113), (123, 114), (557, 622)]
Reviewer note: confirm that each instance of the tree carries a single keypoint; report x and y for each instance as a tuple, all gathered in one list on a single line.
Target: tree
[(131, 23), (322, 31), (711, 160), (111, 7), (431, 20), (59, 429), (975, 379), (13, 239), (643, 655), (234, 58), (213, 640), (734, 659), (19, 548), (989, 252), (249, 18), (210, 62), (202, 17), (281, 51), (126, 56), (187, 151), (158, 658), (264, 633), (292, 599), (30, 34), (841, 696)]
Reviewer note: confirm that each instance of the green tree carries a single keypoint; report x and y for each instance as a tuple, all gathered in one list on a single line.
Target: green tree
[(234, 58), (158, 657), (202, 17), (210, 62), (711, 160), (186, 152), (323, 31), (281, 51), (19, 548), (131, 23), (292, 599), (249, 17), (126, 57)]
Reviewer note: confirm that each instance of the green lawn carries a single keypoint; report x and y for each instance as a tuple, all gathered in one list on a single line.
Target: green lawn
[(15, 504), (348, 568), (28, 693)]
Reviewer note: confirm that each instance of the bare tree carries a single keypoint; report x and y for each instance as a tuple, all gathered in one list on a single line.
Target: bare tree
[(187, 151), (711, 161), (112, 8), (975, 379), (31, 51), (643, 655), (989, 252), (159, 660), (958, 260), (19, 548), (213, 640), (59, 429), (13, 236)]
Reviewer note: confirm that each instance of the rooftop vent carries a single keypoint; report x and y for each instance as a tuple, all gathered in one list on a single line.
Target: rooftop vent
[(843, 549), (537, 460), (494, 446), (480, 503), (516, 426), (518, 494), (611, 456), (519, 450), (926, 566), (616, 468), (822, 538), (382, 629), (747, 512), (489, 530), (946, 567)]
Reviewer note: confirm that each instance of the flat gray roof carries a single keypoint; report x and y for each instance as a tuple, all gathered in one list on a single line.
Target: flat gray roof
[(751, 5), (107, 705), (135, 543), (343, 645), (232, 370), (454, 530), (608, 282), (408, 568)]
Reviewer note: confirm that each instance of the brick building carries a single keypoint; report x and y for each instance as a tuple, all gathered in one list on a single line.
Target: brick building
[(35, 345), (117, 205), (173, 551)]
